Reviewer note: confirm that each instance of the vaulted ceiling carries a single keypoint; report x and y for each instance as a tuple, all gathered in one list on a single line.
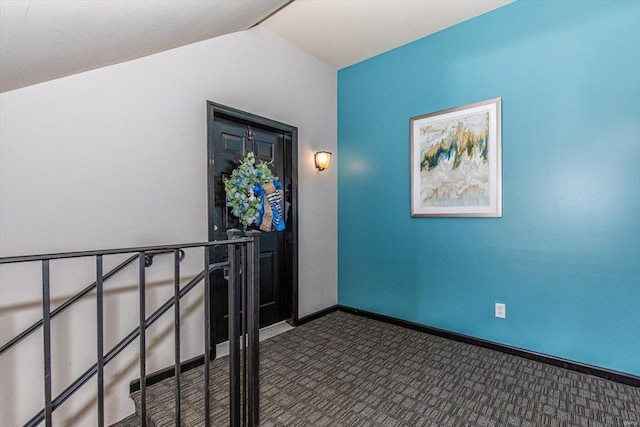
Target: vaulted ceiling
[(47, 39)]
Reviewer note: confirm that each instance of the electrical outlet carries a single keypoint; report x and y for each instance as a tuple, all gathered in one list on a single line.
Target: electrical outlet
[(501, 310)]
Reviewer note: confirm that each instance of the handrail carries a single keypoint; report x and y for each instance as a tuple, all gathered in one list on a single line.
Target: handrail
[(117, 349), (80, 254), (148, 261)]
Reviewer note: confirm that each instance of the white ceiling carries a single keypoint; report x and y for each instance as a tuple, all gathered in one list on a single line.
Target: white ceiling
[(345, 32), (47, 39)]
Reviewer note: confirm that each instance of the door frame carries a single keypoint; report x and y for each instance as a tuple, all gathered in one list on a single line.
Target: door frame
[(215, 110)]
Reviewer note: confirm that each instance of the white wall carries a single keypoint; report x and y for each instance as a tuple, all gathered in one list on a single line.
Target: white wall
[(116, 157)]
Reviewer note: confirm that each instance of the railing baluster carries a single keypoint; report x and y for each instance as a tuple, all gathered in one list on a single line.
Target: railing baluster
[(253, 327), (176, 307), (46, 332), (244, 334), (207, 335), (234, 298), (100, 338), (143, 343)]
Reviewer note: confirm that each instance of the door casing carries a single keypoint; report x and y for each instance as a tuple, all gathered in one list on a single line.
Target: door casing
[(290, 133)]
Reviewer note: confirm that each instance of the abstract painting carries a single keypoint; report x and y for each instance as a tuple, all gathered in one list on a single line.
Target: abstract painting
[(456, 162)]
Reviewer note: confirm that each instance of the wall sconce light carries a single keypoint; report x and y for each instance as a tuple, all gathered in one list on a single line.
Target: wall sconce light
[(323, 159)]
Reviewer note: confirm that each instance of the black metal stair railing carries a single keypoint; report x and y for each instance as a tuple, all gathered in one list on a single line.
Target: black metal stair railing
[(148, 262), (244, 304)]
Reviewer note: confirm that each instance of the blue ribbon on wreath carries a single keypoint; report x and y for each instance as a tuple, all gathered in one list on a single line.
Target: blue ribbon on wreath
[(270, 214)]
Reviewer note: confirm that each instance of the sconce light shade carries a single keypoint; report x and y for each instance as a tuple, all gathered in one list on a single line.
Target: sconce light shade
[(323, 159)]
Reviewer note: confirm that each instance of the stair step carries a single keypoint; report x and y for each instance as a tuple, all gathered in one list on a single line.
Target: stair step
[(160, 397), (132, 420)]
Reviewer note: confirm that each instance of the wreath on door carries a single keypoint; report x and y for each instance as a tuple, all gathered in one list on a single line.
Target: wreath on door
[(255, 195)]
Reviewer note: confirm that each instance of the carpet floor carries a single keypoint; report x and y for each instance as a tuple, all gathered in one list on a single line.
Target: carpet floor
[(346, 370)]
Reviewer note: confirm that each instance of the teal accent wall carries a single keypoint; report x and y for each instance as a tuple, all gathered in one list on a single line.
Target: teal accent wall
[(565, 256)]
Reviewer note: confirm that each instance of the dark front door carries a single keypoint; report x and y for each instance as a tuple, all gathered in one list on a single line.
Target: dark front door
[(231, 135)]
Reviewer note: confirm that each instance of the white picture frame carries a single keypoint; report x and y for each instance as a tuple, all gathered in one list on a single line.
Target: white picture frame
[(456, 162)]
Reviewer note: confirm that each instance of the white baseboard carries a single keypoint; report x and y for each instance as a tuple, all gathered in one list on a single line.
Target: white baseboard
[(267, 332)]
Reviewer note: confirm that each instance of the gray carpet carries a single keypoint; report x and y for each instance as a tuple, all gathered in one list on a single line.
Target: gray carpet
[(345, 370)]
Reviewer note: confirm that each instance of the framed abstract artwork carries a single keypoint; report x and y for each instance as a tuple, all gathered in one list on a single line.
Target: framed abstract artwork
[(456, 162)]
